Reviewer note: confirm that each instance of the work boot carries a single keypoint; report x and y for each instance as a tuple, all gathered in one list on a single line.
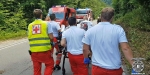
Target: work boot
[(57, 67)]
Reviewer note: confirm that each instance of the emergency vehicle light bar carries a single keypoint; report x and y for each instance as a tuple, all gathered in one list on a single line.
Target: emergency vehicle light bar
[(59, 5)]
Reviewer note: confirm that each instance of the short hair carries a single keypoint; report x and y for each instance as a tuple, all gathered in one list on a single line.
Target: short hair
[(37, 13), (107, 13), (52, 16), (72, 21)]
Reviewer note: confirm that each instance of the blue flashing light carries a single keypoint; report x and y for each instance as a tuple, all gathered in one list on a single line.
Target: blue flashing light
[(76, 8)]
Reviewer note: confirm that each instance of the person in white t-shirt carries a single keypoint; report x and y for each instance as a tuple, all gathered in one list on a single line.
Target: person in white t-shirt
[(104, 40), (56, 30), (72, 39)]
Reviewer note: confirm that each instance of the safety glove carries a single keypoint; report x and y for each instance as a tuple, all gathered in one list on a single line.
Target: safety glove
[(86, 60), (133, 71)]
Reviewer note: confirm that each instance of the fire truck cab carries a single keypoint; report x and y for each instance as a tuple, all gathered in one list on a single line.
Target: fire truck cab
[(62, 14)]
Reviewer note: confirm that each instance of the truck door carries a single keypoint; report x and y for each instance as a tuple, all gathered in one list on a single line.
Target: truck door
[(67, 14)]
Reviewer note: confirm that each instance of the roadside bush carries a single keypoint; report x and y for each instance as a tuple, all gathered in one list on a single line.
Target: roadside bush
[(5, 35), (138, 37), (138, 18)]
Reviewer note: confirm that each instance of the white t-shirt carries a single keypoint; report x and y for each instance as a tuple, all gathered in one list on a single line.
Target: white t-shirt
[(74, 36), (104, 40), (55, 28)]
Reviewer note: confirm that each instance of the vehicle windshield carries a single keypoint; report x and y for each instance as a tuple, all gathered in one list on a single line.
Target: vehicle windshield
[(82, 11), (59, 15)]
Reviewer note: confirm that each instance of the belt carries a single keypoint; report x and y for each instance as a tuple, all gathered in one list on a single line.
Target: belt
[(106, 69)]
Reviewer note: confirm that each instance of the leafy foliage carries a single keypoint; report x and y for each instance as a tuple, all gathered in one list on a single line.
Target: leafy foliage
[(108, 2), (2, 16), (133, 15), (95, 6), (15, 15), (128, 8)]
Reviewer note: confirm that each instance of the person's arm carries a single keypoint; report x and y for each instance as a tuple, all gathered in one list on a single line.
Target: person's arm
[(48, 14), (86, 47), (86, 44), (63, 40), (50, 32), (124, 46), (51, 37), (58, 28), (47, 18), (127, 52), (86, 50)]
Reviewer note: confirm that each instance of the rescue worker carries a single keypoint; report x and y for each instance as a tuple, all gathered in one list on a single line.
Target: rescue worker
[(85, 21), (90, 16), (104, 40), (71, 38), (56, 30), (40, 38)]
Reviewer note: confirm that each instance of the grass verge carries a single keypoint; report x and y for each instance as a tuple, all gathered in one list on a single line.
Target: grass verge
[(5, 35)]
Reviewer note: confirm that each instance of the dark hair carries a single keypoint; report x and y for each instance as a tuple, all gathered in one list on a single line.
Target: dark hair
[(37, 13), (72, 21), (52, 16)]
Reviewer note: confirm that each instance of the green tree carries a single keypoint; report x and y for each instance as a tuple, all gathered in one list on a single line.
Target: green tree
[(2, 17), (13, 19), (134, 11)]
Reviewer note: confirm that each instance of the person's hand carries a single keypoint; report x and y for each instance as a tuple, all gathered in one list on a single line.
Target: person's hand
[(60, 33), (53, 43), (86, 60)]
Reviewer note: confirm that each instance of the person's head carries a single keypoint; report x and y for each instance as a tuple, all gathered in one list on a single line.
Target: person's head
[(37, 13), (85, 18), (72, 21), (52, 17), (107, 14)]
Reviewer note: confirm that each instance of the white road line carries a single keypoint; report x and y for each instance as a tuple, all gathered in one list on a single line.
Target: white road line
[(7, 46)]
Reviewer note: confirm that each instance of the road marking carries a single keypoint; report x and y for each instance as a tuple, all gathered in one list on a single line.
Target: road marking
[(11, 45)]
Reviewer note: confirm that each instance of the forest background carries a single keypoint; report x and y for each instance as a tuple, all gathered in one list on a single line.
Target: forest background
[(132, 15)]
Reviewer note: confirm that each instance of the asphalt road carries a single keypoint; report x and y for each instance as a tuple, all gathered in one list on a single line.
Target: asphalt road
[(15, 60)]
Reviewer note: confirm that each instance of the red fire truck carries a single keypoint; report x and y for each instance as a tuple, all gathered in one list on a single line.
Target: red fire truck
[(84, 12), (62, 13)]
